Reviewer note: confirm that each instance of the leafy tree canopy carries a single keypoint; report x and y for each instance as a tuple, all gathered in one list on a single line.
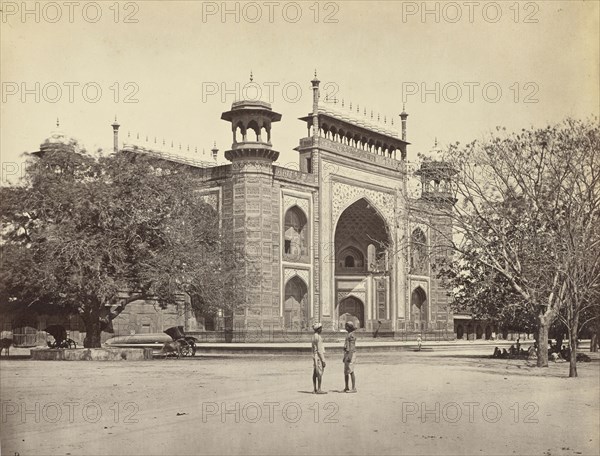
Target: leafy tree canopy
[(86, 232)]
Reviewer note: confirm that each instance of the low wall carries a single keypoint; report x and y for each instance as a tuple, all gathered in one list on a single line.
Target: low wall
[(267, 336), (91, 354)]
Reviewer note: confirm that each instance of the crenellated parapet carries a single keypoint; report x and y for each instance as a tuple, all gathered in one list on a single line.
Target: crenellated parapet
[(159, 154)]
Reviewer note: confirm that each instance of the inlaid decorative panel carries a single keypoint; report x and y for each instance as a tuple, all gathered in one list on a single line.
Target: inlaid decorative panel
[(290, 200), (345, 194), (357, 294), (288, 273)]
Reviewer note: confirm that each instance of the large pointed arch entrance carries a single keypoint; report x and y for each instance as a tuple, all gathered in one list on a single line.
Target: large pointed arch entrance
[(362, 265)]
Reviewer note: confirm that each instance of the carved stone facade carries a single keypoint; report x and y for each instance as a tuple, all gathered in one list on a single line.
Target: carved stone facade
[(327, 240)]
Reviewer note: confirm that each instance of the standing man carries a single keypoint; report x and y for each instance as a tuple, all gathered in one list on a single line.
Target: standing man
[(318, 358), (350, 357)]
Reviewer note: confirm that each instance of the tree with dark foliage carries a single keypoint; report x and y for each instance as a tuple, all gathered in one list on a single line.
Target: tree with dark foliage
[(94, 233)]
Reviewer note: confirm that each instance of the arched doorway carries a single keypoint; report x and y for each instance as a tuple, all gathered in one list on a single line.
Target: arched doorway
[(478, 332), (460, 331), (296, 312), (418, 302), (488, 332), (351, 307), (362, 256)]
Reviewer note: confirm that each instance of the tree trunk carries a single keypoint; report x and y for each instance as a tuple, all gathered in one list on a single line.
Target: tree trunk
[(573, 332), (93, 330), (573, 357), (594, 342), (228, 328), (542, 340)]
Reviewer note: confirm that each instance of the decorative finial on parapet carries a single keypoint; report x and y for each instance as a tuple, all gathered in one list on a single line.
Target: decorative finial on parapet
[(57, 123), (342, 102), (115, 126), (378, 117), (315, 82), (214, 151), (137, 135), (371, 114), (350, 106), (128, 134), (251, 76), (403, 116)]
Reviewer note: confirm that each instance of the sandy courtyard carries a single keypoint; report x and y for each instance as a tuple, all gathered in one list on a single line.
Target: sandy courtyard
[(440, 402)]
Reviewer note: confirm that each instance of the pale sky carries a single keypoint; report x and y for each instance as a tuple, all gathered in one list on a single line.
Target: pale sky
[(374, 54)]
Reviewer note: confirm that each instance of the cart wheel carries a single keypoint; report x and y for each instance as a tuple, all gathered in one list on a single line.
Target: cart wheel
[(71, 343), (186, 350)]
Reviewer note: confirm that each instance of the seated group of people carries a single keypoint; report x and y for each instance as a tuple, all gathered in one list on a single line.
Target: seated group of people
[(515, 351), (555, 351)]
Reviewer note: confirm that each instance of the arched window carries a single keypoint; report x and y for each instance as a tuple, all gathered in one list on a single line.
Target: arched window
[(418, 252), (239, 133), (295, 235), (351, 258), (419, 309), (296, 311), (255, 129)]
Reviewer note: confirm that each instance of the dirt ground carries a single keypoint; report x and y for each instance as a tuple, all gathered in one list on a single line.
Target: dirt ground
[(430, 402)]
